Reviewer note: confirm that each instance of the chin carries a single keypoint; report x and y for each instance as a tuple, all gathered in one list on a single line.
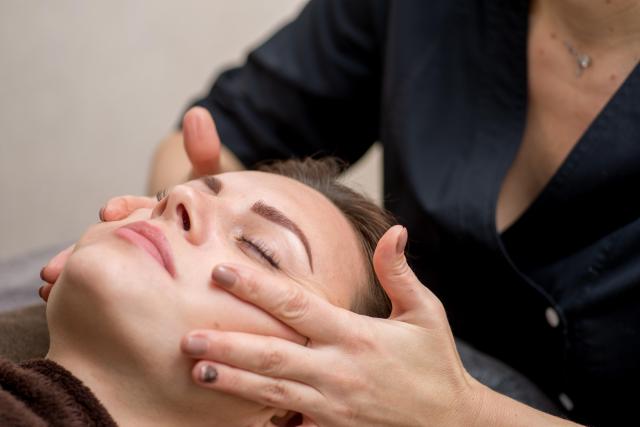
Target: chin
[(108, 302)]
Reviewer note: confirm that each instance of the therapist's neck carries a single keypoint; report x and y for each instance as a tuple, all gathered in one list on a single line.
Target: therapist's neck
[(136, 399), (596, 23)]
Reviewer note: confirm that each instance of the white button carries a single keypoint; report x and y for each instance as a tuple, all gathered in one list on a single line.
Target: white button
[(566, 401), (552, 317)]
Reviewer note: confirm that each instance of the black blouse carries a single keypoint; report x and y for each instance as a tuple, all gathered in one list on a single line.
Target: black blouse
[(443, 85)]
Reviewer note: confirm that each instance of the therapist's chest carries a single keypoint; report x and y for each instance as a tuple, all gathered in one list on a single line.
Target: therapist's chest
[(563, 100)]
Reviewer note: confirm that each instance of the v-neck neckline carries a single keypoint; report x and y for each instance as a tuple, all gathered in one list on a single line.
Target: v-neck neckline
[(571, 159)]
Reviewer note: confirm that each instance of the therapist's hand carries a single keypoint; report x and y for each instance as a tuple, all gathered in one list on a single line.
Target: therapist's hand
[(355, 370), (191, 153), (201, 142)]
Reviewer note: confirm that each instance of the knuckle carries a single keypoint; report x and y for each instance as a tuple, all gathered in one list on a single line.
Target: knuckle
[(223, 350), (346, 412), (274, 393), (232, 381), (398, 269), (271, 361), (363, 341), (402, 268), (252, 287), (295, 305)]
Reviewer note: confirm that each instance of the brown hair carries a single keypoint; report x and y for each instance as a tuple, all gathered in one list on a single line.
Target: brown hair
[(368, 220)]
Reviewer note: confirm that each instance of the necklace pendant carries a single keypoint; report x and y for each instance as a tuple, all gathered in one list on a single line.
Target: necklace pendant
[(584, 62)]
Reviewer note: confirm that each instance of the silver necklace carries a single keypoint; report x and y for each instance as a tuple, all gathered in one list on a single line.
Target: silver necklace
[(583, 60)]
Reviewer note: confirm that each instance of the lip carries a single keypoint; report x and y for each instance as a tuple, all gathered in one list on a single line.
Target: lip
[(150, 239)]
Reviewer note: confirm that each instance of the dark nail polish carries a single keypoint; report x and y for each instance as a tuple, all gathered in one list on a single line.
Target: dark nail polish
[(224, 276), (42, 274), (196, 346), (402, 241), (208, 374)]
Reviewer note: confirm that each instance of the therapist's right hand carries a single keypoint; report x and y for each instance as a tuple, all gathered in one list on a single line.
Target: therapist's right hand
[(191, 153), (201, 143)]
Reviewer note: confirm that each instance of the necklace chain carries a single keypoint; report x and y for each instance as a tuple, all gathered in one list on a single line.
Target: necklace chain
[(583, 60)]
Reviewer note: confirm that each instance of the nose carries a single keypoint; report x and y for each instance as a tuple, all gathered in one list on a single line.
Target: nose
[(180, 208)]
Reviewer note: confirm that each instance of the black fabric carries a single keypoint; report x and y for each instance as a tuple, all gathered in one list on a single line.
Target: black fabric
[(443, 85), (503, 379)]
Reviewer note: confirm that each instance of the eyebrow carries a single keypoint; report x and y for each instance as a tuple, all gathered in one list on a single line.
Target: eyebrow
[(267, 212), (213, 183), (274, 215)]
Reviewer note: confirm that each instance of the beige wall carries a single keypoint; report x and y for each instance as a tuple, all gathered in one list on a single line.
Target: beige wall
[(88, 88)]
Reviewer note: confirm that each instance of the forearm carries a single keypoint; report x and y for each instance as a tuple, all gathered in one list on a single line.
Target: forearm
[(171, 166), (495, 409)]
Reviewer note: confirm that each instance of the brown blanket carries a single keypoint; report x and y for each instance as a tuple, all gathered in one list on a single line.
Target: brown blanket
[(43, 393), (24, 334)]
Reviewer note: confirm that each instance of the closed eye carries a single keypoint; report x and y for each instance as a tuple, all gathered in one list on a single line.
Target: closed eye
[(261, 249)]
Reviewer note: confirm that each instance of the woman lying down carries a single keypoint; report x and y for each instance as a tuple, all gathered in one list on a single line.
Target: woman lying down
[(133, 288)]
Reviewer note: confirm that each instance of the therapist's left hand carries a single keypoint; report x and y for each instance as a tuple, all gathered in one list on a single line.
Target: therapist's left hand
[(355, 370)]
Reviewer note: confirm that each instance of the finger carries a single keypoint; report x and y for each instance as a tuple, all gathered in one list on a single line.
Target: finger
[(54, 267), (45, 291), (121, 207), (408, 296), (201, 141), (270, 356), (286, 300), (267, 391)]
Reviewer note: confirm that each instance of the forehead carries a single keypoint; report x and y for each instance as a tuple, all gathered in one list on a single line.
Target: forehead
[(333, 241)]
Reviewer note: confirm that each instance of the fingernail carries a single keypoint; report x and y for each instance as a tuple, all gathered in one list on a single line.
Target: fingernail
[(208, 374), (196, 345), (101, 214), (42, 274), (402, 241), (40, 291), (224, 276)]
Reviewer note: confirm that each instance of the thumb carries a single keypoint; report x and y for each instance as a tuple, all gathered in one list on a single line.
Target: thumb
[(410, 299), (201, 141)]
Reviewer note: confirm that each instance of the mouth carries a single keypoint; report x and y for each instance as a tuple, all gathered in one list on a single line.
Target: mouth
[(150, 239)]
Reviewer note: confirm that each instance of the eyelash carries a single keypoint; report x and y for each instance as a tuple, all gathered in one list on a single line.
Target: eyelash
[(161, 194), (264, 251)]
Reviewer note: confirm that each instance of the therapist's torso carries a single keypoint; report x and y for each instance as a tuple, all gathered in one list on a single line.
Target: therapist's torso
[(443, 85), (557, 295)]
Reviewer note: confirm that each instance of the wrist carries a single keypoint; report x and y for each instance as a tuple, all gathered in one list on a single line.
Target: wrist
[(487, 407), (475, 411)]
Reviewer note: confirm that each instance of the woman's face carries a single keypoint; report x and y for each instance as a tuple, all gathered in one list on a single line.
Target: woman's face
[(145, 281)]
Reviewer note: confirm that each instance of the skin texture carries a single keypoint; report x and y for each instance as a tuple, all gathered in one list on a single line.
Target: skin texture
[(116, 316)]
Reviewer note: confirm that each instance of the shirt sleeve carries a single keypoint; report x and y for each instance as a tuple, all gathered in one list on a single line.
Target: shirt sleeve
[(313, 88)]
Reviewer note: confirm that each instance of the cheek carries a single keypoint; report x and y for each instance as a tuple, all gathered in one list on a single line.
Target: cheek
[(206, 306), (109, 274), (104, 301), (217, 309)]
